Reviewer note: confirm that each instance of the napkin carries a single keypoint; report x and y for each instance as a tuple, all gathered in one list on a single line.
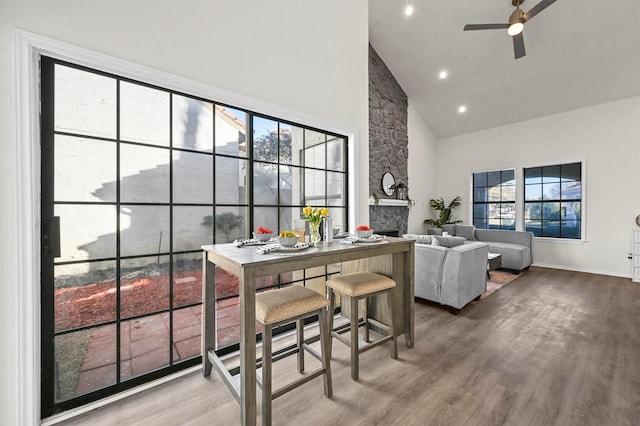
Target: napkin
[(269, 248), (246, 242), (355, 239)]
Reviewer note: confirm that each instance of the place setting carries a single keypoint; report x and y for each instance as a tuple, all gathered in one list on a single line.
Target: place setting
[(363, 235), (261, 237), (286, 241)]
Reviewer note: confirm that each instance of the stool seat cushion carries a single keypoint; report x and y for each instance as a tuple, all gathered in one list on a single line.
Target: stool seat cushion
[(360, 283), (286, 303)]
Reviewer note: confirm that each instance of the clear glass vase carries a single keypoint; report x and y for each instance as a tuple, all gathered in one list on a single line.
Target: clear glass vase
[(315, 232)]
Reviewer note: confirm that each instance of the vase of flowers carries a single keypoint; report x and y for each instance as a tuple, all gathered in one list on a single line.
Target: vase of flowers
[(314, 216)]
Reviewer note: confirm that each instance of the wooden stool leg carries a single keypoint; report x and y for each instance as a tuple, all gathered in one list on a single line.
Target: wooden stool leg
[(354, 338), (300, 338), (394, 340), (330, 310), (365, 317), (266, 376), (325, 336)]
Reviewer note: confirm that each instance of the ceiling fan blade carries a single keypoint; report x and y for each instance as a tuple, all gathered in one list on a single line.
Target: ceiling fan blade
[(518, 46), (538, 8), (473, 27)]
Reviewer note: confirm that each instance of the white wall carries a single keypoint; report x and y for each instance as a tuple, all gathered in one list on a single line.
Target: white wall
[(307, 56), (606, 137), (422, 170)]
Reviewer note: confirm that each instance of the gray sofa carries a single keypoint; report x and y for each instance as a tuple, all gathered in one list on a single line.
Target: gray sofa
[(514, 246), (451, 276)]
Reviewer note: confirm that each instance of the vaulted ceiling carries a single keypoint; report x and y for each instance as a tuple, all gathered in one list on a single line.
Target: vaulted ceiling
[(579, 53)]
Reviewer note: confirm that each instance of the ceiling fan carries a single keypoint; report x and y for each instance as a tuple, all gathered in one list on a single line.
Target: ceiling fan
[(516, 24)]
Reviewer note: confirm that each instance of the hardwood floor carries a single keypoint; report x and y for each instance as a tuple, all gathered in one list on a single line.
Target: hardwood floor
[(551, 348)]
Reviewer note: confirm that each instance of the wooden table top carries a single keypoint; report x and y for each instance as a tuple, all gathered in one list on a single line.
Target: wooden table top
[(235, 258)]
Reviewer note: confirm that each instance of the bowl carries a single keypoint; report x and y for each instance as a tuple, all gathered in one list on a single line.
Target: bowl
[(262, 237), (287, 241), (364, 234)]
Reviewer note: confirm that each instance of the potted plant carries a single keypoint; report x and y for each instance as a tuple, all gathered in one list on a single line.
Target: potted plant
[(445, 213)]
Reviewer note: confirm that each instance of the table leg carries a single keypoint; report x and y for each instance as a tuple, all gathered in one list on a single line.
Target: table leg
[(409, 290), (248, 347), (208, 312)]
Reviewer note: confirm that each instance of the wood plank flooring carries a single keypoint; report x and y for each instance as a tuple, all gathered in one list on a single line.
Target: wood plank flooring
[(551, 348)]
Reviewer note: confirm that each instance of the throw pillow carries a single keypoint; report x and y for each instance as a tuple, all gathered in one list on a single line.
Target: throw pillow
[(450, 228), (420, 239), (434, 231), (424, 239), (466, 231), (449, 241)]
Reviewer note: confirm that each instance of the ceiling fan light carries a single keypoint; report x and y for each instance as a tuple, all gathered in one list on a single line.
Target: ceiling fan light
[(515, 28), (408, 10), (516, 22)]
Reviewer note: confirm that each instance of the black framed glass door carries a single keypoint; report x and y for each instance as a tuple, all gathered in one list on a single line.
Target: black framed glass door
[(121, 215), (135, 179)]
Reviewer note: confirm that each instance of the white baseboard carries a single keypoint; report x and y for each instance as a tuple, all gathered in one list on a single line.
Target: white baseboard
[(587, 270)]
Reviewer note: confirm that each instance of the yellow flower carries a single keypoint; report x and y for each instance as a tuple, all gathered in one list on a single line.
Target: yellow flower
[(314, 215)]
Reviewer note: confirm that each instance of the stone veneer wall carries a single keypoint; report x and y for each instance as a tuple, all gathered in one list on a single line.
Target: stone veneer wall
[(388, 142)]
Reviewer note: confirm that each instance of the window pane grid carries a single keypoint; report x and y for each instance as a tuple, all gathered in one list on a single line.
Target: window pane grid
[(177, 174), (547, 213), (494, 199)]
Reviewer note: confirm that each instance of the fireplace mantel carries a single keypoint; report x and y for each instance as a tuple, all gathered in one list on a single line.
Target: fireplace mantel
[(389, 202)]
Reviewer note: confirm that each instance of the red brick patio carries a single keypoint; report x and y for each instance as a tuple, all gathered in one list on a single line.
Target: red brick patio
[(144, 342)]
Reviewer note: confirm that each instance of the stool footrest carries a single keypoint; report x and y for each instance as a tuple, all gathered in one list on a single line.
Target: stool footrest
[(341, 338), (377, 323), (289, 387), (312, 352), (366, 347), (372, 345)]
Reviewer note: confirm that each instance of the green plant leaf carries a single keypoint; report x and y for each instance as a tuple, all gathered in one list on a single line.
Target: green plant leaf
[(445, 212)]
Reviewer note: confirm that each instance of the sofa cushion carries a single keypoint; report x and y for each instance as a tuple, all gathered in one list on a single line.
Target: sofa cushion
[(514, 256), (449, 241), (466, 231), (434, 231), (420, 239), (450, 228)]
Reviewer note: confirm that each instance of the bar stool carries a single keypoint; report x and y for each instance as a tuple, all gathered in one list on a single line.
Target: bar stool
[(282, 306), (353, 287)]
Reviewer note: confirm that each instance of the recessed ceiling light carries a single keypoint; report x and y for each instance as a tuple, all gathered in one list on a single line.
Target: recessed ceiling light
[(462, 109), (443, 74), (408, 10)]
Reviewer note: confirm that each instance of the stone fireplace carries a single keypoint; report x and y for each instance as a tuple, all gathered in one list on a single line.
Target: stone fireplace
[(388, 146)]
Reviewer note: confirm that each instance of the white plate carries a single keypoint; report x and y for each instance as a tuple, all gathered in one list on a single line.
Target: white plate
[(298, 246), (250, 242), (372, 239), (368, 240), (280, 249)]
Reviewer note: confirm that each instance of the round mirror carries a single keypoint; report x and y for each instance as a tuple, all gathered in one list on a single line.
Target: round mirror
[(638, 220), (388, 184)]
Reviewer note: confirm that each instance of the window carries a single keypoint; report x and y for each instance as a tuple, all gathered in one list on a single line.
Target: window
[(494, 200), (553, 200), (139, 178)]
